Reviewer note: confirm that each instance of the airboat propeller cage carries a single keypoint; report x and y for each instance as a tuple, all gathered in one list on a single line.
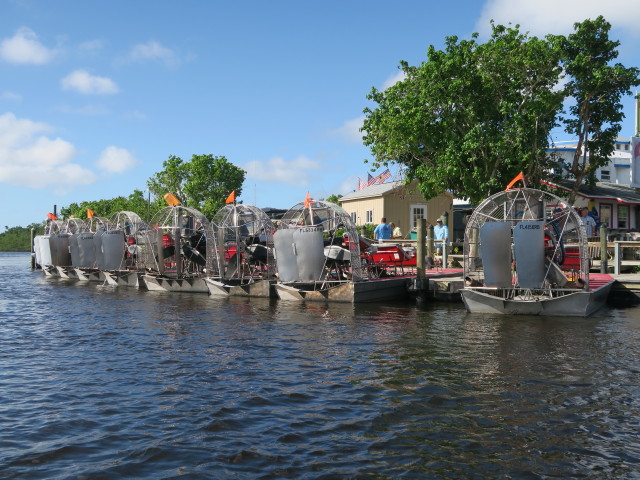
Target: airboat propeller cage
[(240, 243), (540, 225), (162, 242), (60, 240), (102, 244), (299, 243)]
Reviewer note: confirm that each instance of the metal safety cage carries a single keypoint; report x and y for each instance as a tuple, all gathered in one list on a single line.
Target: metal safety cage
[(54, 226), (121, 231), (565, 239), (240, 245), (174, 242), (331, 218), (62, 234), (97, 224)]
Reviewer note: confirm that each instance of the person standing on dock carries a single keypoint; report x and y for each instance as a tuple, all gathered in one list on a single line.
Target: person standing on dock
[(382, 231), (588, 222), (441, 234), (397, 233)]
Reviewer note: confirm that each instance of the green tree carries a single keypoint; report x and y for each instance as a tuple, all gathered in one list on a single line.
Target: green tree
[(334, 199), (595, 88), (471, 117), (135, 202), (18, 239), (202, 183)]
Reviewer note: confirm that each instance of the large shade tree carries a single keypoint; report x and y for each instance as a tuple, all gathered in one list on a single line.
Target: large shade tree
[(475, 114), (203, 183), (594, 90), (472, 116)]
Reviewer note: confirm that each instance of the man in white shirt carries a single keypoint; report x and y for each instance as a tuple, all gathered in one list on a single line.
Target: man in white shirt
[(588, 222)]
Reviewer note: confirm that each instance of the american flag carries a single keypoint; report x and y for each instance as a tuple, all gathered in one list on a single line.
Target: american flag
[(371, 180), (361, 184), (383, 176)]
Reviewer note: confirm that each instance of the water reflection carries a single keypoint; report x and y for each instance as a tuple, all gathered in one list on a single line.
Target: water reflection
[(101, 382)]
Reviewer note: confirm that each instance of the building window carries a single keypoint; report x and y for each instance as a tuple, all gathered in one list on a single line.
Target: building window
[(354, 218), (605, 214), (623, 216), (417, 212), (626, 146), (605, 175), (369, 215)]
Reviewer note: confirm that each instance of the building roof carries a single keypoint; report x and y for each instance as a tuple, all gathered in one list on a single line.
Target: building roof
[(373, 191), (602, 191)]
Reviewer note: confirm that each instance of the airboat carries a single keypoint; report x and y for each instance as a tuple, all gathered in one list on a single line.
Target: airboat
[(526, 253), (240, 254), (117, 249), (319, 257), (85, 249), (172, 250), (52, 250)]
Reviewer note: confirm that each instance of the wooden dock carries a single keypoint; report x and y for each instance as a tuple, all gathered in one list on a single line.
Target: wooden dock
[(445, 285)]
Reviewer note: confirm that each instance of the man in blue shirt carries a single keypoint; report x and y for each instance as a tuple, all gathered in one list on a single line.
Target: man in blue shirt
[(441, 232), (382, 231)]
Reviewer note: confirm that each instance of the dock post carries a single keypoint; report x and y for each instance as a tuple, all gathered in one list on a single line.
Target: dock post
[(33, 257), (420, 249), (430, 246), (603, 248)]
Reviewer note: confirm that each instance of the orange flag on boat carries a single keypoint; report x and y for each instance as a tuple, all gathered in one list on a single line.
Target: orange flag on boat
[(231, 198), (518, 177), (307, 201), (171, 200), (90, 213), (51, 216)]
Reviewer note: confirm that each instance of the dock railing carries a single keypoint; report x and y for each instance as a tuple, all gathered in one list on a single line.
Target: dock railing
[(619, 252)]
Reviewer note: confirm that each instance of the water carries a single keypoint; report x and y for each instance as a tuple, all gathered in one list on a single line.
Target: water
[(99, 382)]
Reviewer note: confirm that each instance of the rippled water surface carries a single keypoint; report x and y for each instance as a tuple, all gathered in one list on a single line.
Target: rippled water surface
[(101, 382)]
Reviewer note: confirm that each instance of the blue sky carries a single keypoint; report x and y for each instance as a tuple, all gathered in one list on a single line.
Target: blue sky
[(94, 96)]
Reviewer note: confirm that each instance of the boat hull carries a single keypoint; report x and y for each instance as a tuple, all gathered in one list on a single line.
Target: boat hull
[(166, 284), (122, 278), (581, 303), (350, 292), (259, 288), (66, 272), (88, 275)]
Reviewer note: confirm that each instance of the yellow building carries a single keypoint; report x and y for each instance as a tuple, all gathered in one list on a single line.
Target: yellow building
[(401, 204)]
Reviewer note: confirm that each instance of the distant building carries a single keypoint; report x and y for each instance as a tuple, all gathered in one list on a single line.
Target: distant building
[(617, 171), (401, 204), (613, 199), (616, 205)]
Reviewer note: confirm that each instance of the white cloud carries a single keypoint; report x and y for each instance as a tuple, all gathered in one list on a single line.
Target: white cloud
[(24, 47), (83, 82), (135, 115), (296, 172), (11, 96), (350, 130), (551, 16), (89, 110), (153, 51), (116, 160), (91, 47), (392, 80), (29, 158)]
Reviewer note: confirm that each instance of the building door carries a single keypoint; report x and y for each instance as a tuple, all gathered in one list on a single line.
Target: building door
[(416, 212), (605, 214)]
